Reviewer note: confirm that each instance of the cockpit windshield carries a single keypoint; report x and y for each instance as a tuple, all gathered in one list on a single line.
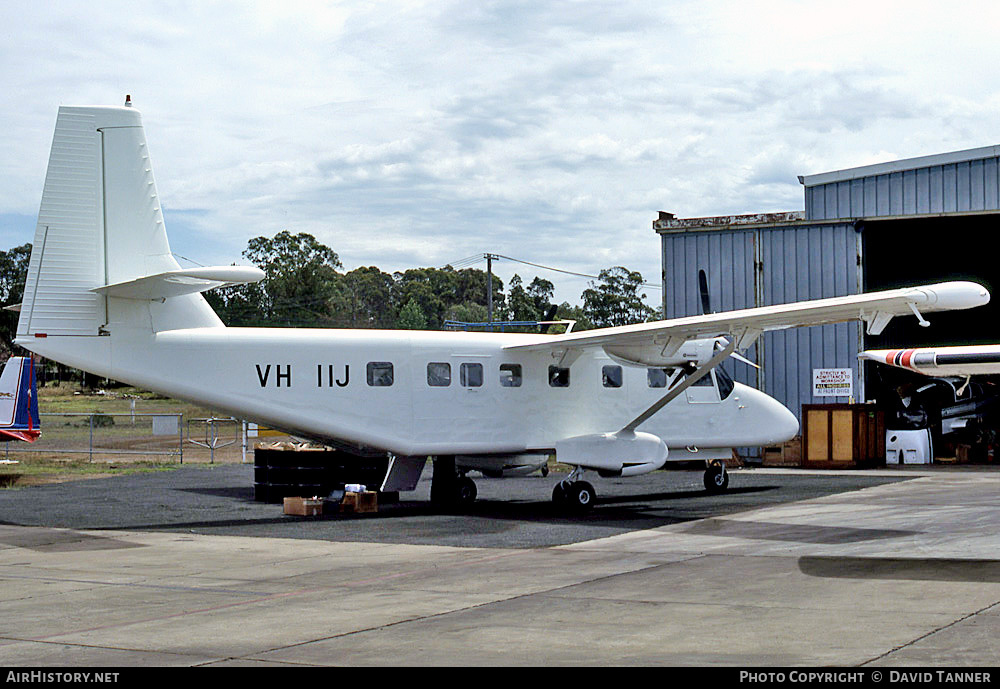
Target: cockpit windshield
[(724, 381)]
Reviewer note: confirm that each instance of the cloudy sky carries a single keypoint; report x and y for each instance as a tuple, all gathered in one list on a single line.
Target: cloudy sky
[(407, 134)]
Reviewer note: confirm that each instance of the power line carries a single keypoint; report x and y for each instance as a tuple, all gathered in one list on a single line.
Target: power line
[(467, 262), (482, 257)]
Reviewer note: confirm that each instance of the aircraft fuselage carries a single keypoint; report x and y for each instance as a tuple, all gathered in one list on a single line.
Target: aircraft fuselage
[(424, 392)]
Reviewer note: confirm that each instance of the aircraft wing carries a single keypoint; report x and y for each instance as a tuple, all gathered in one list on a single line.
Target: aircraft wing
[(660, 343)]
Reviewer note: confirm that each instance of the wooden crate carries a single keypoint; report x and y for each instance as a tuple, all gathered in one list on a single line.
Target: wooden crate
[(839, 436)]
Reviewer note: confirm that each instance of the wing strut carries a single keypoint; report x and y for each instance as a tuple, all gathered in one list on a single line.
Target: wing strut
[(699, 373)]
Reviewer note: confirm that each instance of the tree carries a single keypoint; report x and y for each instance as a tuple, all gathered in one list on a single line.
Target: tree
[(437, 290), (239, 305), (566, 312), (411, 317), (615, 298), (366, 299), (13, 272), (417, 285), (531, 303), (467, 313), (300, 284)]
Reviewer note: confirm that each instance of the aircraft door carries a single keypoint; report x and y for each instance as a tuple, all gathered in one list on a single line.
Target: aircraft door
[(475, 388)]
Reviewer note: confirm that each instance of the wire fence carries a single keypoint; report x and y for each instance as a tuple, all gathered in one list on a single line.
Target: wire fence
[(134, 436)]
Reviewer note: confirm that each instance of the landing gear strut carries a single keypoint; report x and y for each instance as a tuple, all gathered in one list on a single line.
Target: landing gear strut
[(573, 493), (716, 477), (449, 487)]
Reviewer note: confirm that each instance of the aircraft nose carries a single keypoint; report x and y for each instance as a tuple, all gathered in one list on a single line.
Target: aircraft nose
[(777, 422), (786, 425)]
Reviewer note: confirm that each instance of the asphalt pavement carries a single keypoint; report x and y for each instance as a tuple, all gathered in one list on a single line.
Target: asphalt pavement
[(864, 570), (514, 512)]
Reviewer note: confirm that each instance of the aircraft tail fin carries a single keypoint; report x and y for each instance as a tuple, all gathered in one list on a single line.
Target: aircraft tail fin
[(19, 400), (100, 257)]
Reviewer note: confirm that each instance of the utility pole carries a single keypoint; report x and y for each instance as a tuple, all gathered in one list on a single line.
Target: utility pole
[(489, 287)]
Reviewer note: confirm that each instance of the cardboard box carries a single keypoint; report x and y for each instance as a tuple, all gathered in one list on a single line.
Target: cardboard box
[(788, 454), (359, 502), (304, 507)]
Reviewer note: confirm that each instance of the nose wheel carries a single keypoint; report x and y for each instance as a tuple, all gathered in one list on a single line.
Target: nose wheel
[(716, 477)]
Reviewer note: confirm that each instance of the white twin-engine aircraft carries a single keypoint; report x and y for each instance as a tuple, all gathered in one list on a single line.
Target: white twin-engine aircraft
[(104, 294)]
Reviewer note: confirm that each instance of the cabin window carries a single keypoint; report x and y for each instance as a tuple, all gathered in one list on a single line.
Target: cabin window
[(611, 376), (510, 375), (558, 377), (471, 375), (380, 373), (439, 374), (656, 377)]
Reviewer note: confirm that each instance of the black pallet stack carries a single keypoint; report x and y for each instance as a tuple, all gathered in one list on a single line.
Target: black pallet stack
[(308, 472)]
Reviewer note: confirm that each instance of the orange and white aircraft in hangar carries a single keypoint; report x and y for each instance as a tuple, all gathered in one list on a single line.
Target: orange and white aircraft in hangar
[(19, 400), (104, 294), (965, 360)]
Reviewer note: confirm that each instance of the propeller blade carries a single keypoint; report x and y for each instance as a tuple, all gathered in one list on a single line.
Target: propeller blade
[(721, 343), (706, 307), (744, 360)]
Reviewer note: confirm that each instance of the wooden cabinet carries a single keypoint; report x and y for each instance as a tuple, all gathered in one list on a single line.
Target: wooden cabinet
[(836, 436)]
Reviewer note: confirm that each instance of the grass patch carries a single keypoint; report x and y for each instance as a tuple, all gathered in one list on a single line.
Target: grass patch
[(32, 472), (70, 399)]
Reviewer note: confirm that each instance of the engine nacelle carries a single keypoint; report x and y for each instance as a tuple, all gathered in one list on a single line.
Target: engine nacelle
[(624, 453), (662, 356)]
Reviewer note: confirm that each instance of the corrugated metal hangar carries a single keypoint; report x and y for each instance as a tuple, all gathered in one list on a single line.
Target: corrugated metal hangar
[(868, 228)]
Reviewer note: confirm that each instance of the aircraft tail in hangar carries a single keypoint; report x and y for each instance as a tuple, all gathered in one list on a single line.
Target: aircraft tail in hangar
[(19, 400)]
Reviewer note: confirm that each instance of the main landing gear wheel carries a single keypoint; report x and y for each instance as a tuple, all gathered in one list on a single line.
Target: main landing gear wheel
[(716, 478), (465, 491), (449, 487), (578, 495)]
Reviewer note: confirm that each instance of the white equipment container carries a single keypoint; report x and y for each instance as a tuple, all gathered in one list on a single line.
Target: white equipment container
[(909, 447)]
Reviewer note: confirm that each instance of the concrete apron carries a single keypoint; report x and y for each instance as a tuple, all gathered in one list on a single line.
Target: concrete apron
[(900, 574)]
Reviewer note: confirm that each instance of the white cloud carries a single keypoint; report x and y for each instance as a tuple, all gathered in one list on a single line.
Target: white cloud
[(416, 133)]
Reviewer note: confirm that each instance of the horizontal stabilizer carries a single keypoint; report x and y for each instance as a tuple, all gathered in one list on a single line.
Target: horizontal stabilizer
[(175, 283)]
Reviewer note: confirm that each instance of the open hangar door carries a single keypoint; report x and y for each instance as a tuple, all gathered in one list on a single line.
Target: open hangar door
[(964, 418)]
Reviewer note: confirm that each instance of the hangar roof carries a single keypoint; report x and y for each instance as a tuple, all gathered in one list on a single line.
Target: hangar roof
[(667, 222), (900, 165)]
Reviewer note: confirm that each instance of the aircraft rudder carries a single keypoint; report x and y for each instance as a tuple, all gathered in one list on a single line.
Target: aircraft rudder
[(99, 223)]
